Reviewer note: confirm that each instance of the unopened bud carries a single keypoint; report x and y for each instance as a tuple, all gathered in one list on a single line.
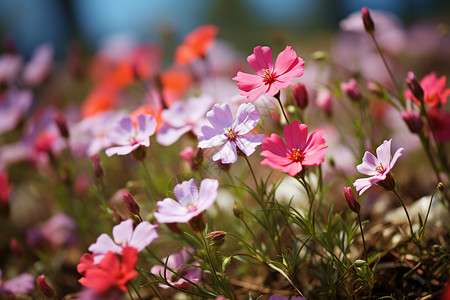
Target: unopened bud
[(45, 288), (98, 169), (225, 263), (198, 223), (237, 211), (15, 247), (351, 89), (413, 120), (414, 85), (360, 263), (441, 187), (217, 238), (300, 95), (369, 26), (352, 202), (61, 122), (132, 205), (319, 55)]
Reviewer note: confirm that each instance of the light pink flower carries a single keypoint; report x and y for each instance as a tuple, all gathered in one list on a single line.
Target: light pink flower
[(192, 201), (13, 107), (10, 65), (22, 284), (377, 168), (177, 262), (183, 117), (298, 151), (227, 133), (324, 100), (270, 78), (130, 138), (124, 236)]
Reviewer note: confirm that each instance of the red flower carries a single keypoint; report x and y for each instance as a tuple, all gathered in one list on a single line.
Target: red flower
[(109, 273), (298, 151), (440, 122), (434, 90), (196, 44)]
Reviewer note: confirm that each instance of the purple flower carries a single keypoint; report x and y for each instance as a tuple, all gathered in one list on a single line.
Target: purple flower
[(130, 138), (22, 284), (13, 107), (378, 168), (227, 133), (182, 117), (59, 230), (177, 262), (124, 235), (192, 201)]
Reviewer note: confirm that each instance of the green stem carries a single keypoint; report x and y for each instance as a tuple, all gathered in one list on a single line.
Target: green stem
[(251, 170), (428, 212), (363, 240), (406, 211), (135, 290), (391, 75)]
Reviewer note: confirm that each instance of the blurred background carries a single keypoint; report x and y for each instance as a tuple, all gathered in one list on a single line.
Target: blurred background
[(244, 23)]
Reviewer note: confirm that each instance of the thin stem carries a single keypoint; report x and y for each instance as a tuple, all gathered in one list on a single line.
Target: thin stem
[(135, 290), (428, 212), (363, 240), (406, 211), (387, 68), (277, 96), (251, 170)]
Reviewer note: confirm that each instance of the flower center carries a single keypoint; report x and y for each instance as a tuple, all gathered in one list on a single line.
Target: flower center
[(133, 141), (231, 134), (296, 155), (191, 208), (269, 77), (380, 169)]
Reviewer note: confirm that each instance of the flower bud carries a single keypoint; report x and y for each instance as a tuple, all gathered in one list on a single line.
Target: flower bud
[(132, 205), (300, 95), (45, 288), (61, 122), (441, 187), (217, 238), (351, 89), (15, 247), (98, 169), (414, 85), (225, 263), (369, 26), (237, 211), (413, 120), (352, 202)]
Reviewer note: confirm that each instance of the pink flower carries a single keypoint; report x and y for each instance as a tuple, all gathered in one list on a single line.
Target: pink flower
[(130, 138), (351, 89), (270, 78), (298, 151), (434, 90), (324, 100), (378, 168), (227, 133), (39, 66), (440, 122), (177, 262), (192, 201), (124, 236)]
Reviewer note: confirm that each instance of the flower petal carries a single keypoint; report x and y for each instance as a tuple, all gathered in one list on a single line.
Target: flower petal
[(186, 192), (261, 59), (247, 118), (144, 234), (227, 154), (123, 232)]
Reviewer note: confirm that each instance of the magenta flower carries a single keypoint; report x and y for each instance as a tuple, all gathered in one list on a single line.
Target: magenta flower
[(124, 236), (227, 133), (270, 78), (192, 201), (298, 151), (177, 262), (130, 138), (378, 168)]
